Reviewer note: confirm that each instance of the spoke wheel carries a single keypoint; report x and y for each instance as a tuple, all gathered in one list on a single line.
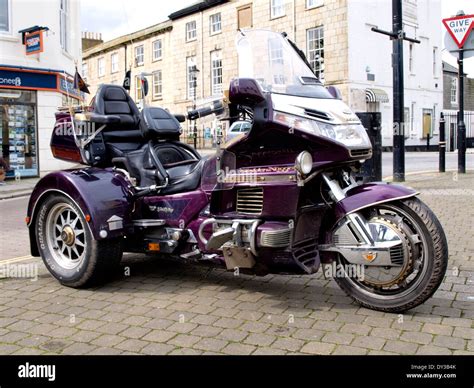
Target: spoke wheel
[(66, 236), (68, 248)]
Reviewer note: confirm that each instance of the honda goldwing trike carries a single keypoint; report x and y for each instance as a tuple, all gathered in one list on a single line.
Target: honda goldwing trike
[(281, 198)]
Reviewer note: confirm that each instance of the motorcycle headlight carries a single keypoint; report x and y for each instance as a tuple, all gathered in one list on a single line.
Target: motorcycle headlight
[(304, 163), (351, 135)]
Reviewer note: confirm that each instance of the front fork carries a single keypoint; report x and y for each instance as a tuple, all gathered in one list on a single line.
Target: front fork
[(357, 239)]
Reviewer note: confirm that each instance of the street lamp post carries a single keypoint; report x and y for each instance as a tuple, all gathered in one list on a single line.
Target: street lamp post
[(194, 70)]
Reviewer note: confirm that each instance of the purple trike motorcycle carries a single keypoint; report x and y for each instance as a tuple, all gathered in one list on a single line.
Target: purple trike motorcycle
[(281, 198)]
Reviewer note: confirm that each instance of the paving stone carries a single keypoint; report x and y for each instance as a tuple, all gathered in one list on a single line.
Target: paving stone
[(157, 349), (338, 338), (159, 336), (369, 342), (400, 347), (184, 340), (238, 349), (260, 339), (78, 348), (308, 334), (416, 337), (210, 344), (232, 335), (433, 350), (107, 340), (349, 350), (437, 329), (207, 331), (449, 342), (354, 328), (229, 323), (464, 332), (265, 351), (132, 345), (318, 348), (290, 344)]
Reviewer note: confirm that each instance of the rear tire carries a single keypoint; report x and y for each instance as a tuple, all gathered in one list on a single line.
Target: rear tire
[(435, 253), (68, 248)]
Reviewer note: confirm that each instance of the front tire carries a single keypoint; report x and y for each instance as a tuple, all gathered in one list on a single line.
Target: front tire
[(68, 248), (430, 260)]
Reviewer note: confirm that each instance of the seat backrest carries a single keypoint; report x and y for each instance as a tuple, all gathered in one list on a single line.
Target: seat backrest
[(157, 123), (114, 100)]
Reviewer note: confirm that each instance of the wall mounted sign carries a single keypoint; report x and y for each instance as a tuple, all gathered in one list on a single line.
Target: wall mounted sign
[(34, 42)]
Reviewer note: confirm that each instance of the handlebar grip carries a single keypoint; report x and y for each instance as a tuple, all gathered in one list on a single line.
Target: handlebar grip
[(215, 107)]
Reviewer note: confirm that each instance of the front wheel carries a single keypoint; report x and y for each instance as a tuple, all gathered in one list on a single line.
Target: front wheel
[(68, 248), (423, 259)]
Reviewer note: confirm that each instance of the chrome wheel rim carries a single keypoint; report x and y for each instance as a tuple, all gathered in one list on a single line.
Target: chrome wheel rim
[(419, 245), (66, 237)]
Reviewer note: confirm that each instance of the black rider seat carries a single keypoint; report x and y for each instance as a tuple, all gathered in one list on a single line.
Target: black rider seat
[(182, 163), (126, 135)]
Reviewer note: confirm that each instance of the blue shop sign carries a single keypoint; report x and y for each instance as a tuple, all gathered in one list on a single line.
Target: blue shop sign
[(67, 87), (13, 79)]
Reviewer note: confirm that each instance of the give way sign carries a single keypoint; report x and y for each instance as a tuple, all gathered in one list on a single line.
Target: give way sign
[(459, 28)]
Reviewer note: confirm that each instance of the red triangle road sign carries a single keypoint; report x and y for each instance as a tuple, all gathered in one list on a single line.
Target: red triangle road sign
[(459, 28)]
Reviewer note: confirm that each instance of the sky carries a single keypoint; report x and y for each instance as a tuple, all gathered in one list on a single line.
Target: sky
[(114, 18)]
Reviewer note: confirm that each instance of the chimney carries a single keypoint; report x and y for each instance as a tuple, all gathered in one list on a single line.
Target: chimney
[(91, 39)]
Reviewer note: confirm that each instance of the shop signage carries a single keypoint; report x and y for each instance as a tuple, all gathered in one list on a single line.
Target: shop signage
[(13, 79), (66, 86), (34, 42)]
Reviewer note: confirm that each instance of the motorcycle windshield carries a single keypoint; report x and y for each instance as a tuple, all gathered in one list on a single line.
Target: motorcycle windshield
[(218, 172), (269, 58)]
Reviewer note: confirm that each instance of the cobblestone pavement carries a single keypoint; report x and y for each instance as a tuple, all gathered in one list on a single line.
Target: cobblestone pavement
[(164, 308)]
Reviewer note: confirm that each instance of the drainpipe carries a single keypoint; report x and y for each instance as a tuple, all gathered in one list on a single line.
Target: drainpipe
[(202, 56)]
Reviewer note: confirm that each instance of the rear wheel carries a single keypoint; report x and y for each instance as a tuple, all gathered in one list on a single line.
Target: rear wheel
[(422, 260), (68, 248)]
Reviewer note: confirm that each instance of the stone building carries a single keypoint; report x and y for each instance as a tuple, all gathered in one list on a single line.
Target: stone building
[(451, 105), (334, 34)]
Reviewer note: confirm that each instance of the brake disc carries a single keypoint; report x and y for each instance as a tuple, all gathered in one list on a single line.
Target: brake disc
[(383, 277)]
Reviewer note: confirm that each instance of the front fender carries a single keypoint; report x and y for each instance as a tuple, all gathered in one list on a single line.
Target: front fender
[(99, 193), (363, 196)]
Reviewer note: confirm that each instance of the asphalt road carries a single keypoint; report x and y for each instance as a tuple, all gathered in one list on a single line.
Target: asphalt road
[(424, 161)]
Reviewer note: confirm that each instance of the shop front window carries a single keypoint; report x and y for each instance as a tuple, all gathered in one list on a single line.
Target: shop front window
[(18, 142)]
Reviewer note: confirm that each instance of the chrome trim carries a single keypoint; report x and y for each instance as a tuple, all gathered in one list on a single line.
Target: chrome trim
[(275, 238), (336, 190), (236, 222)]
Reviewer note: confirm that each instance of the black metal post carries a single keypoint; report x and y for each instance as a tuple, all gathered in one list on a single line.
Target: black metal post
[(461, 124), (398, 95), (194, 107), (442, 144)]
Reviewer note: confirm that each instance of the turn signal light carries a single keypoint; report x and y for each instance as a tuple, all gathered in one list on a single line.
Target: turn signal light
[(27, 220), (88, 217), (154, 246)]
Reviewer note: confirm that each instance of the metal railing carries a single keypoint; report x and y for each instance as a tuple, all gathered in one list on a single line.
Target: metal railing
[(451, 119)]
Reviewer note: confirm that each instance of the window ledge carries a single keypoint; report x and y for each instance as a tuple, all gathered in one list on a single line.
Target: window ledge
[(191, 40), (314, 7), (215, 33), (277, 17), (157, 59), (8, 37)]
